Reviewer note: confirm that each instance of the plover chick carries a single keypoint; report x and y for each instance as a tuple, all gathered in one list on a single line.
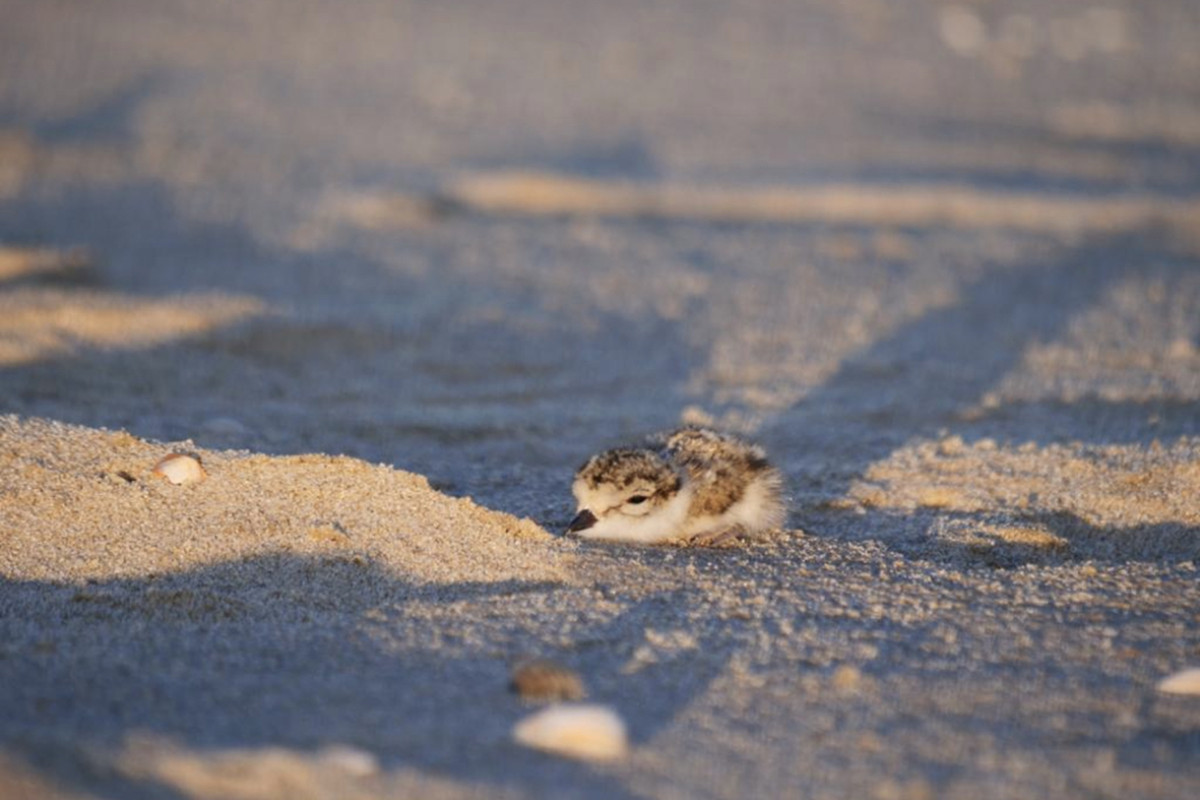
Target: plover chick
[(692, 484)]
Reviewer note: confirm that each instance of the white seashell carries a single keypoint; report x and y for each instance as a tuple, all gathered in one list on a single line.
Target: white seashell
[(587, 732), (1183, 682), (350, 760), (180, 468)]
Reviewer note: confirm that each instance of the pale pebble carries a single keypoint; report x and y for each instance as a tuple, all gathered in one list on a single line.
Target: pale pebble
[(1183, 682), (585, 732)]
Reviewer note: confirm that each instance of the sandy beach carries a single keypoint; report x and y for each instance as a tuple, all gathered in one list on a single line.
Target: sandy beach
[(391, 271)]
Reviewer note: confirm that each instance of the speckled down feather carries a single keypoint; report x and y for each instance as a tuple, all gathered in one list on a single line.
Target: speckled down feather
[(693, 483)]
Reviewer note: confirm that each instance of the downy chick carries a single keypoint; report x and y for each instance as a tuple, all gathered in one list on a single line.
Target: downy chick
[(692, 484)]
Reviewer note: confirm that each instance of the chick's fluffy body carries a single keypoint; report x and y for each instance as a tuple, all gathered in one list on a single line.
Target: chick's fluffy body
[(690, 484)]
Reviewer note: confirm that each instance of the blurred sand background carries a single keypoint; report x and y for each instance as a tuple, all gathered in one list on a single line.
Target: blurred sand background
[(394, 269)]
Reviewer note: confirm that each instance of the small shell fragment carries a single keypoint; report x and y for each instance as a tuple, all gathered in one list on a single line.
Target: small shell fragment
[(543, 680), (1183, 682), (350, 760), (180, 469), (585, 732)]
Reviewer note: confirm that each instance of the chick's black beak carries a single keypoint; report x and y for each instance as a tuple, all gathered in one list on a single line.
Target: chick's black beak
[(583, 520)]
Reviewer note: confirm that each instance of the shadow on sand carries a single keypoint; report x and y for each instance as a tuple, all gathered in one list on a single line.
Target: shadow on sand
[(928, 379), (300, 653)]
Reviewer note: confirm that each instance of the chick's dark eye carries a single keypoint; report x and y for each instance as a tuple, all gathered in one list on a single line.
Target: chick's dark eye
[(637, 498)]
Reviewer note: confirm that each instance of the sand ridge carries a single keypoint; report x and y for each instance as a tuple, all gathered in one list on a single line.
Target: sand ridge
[(82, 504)]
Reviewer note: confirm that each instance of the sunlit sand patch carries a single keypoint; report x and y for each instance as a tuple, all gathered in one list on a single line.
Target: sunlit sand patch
[(1113, 501), (41, 324), (81, 503), (275, 773), (1139, 343), (561, 195), (549, 194), (1010, 544), (1038, 538), (26, 262)]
